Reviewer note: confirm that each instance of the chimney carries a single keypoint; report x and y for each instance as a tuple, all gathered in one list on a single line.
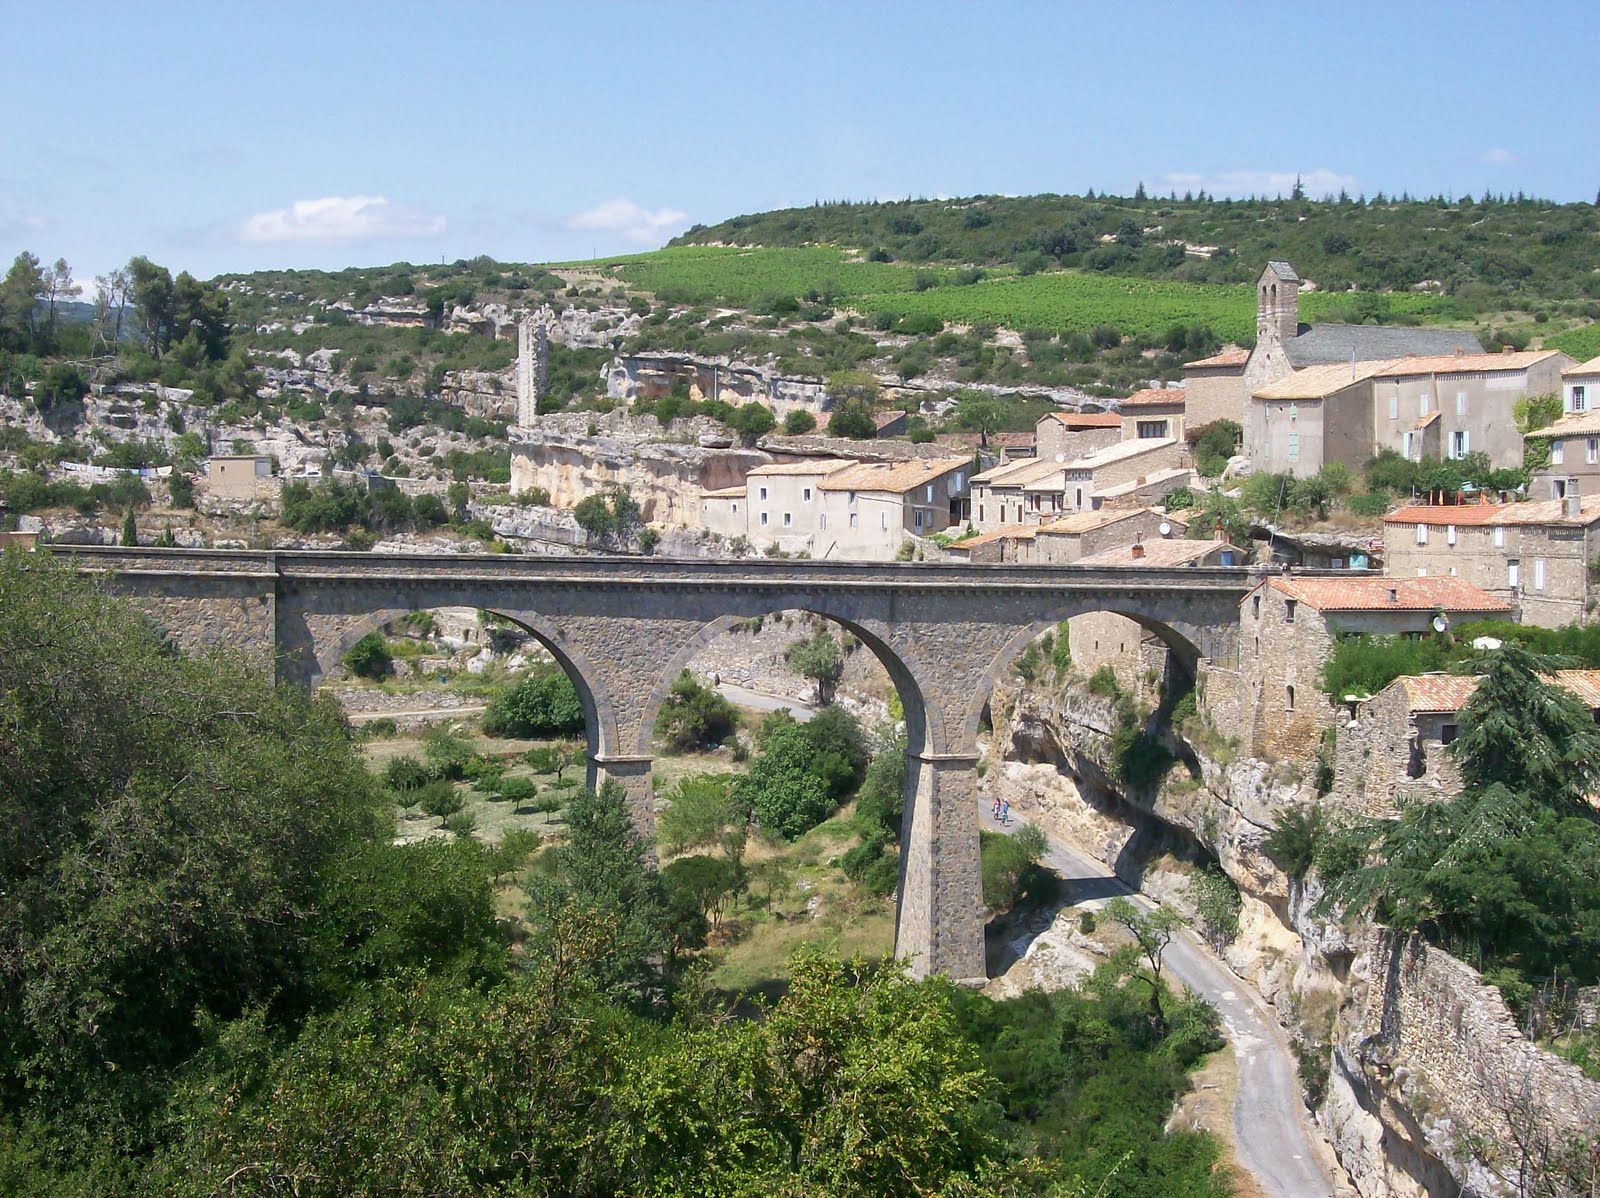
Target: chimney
[(1571, 502), (1460, 352), (1138, 549), (1508, 349), (1394, 595)]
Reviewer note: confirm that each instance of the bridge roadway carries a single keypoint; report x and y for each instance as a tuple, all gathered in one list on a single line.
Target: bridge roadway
[(625, 627)]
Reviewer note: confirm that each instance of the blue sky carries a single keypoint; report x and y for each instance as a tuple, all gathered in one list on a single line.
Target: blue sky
[(237, 136)]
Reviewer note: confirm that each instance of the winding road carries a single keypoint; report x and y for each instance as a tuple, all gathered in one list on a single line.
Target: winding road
[(1274, 1141)]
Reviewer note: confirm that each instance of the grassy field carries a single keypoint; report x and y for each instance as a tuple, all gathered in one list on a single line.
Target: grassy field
[(1057, 300)]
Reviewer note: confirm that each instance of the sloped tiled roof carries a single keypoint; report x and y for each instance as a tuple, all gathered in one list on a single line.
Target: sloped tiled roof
[(1088, 521), (1176, 551), (1465, 363), (1120, 451), (725, 493), (1441, 514), (1283, 270), (1319, 382), (894, 477), (1387, 594), (1087, 419), (1425, 421), (1155, 396), (1439, 693), (1551, 511), (1576, 425), (797, 469), (1592, 366), (1327, 343), (1174, 474), (1015, 474), (1228, 357), (1016, 532)]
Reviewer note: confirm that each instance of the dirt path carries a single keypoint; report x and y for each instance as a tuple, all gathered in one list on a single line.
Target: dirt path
[(366, 717)]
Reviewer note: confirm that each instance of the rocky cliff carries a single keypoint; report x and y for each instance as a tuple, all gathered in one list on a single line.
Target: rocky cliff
[(1418, 1073)]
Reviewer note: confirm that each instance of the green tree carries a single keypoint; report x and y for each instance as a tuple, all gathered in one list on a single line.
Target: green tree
[(130, 530), (751, 422), (20, 293), (820, 659), (982, 413), (699, 814), (787, 797), (852, 418), (695, 716), (369, 657), (539, 705), (1151, 931), (151, 288), (799, 422)]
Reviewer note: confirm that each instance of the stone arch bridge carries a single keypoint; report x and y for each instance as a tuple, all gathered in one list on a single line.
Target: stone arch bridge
[(624, 627)]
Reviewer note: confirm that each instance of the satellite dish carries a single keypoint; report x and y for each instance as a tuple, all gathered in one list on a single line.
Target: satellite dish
[(1166, 529), (1061, 457), (1441, 622)]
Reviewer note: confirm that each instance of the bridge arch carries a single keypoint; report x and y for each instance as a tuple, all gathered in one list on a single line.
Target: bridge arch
[(1182, 648), (599, 716), (901, 676)]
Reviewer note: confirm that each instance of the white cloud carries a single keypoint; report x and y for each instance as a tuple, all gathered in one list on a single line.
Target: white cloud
[(623, 216), (1318, 183), (1499, 156), (342, 218)]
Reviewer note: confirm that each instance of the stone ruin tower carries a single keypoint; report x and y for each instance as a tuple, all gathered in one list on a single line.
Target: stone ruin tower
[(533, 355), (1278, 304)]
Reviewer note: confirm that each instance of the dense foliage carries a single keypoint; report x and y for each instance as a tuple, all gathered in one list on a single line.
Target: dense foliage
[(542, 704), (1506, 874), (1364, 663), (695, 716)]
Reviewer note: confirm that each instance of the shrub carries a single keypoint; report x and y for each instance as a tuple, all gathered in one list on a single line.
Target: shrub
[(543, 705), (1104, 682), (515, 791), (695, 716), (447, 753), (460, 822), (1010, 866), (799, 422), (406, 773), (369, 657), (441, 800), (1218, 905)]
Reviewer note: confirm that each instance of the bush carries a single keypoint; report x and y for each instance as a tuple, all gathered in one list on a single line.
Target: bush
[(1217, 904), (447, 753), (441, 800), (799, 422), (1103, 682), (369, 657), (406, 773), (1010, 866), (695, 716), (543, 705)]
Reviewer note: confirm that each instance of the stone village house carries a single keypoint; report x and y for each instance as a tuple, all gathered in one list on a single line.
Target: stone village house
[(1287, 627), (1537, 557), (1137, 473), (1393, 744), (1574, 439)]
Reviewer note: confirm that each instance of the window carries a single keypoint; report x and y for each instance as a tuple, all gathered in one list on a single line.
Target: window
[(1152, 428), (1294, 446), (1459, 440), (916, 518), (1591, 452), (1394, 407), (961, 480), (930, 492), (1288, 610), (1580, 399), (822, 520), (1461, 403), (1289, 696), (1499, 536), (1422, 404), (1422, 571), (763, 492), (1408, 440), (806, 494), (1294, 412), (885, 519), (788, 519), (1558, 452), (763, 519), (736, 509), (853, 520), (852, 496), (1449, 534), (1080, 497), (1538, 573), (980, 514), (1422, 534), (1255, 607), (1513, 574), (1448, 733)]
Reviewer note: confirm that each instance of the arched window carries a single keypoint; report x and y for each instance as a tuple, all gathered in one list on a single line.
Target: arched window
[(1290, 696)]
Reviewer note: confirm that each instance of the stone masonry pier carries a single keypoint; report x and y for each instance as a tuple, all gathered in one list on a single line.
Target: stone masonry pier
[(624, 627)]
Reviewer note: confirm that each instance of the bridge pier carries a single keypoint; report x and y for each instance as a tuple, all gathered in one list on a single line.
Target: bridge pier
[(939, 926), (632, 773)]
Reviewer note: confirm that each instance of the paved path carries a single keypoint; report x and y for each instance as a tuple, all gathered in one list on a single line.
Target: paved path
[(741, 696), (366, 717), (1269, 1121)]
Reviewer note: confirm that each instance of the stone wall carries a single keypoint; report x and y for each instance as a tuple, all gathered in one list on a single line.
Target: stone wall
[(1375, 761), (1430, 1063), (1281, 650)]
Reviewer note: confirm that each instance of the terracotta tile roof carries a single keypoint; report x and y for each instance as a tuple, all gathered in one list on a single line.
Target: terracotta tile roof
[(1177, 474), (1121, 451), (1592, 366), (1018, 532), (1015, 474), (1176, 551), (1087, 419), (1374, 594), (1319, 382), (1450, 692), (1425, 421), (1088, 521), (1154, 397), (894, 477), (725, 493), (809, 466), (1575, 425), (1442, 514), (1228, 357), (1551, 511), (1465, 363)]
